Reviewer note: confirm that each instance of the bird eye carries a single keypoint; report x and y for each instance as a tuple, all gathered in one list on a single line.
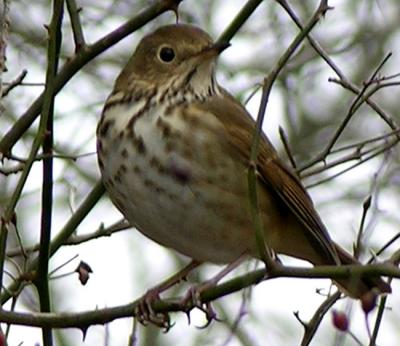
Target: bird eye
[(166, 54)]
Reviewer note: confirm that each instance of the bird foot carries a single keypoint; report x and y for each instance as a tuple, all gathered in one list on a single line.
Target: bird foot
[(145, 313), (192, 299)]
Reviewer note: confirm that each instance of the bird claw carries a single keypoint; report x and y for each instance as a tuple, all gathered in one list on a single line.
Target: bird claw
[(210, 314), (192, 299), (145, 313)]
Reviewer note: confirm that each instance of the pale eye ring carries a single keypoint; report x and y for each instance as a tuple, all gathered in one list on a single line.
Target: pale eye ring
[(166, 54)]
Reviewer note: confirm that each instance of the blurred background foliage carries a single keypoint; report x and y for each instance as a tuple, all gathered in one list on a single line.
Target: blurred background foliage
[(357, 35)]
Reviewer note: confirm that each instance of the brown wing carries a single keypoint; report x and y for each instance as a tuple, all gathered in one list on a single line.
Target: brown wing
[(287, 186), (273, 173)]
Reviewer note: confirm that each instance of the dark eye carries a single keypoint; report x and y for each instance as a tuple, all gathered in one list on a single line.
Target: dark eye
[(166, 54)]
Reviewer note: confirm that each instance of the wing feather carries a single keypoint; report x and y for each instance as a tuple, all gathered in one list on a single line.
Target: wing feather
[(274, 174)]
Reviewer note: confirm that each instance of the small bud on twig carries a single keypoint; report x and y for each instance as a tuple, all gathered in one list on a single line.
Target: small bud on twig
[(368, 302), (340, 320)]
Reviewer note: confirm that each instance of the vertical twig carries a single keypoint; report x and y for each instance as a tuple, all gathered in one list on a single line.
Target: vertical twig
[(358, 245), (4, 25), (378, 320), (46, 123), (73, 11), (285, 142), (4, 223)]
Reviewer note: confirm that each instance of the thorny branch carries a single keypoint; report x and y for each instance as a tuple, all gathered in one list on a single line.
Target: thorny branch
[(83, 320)]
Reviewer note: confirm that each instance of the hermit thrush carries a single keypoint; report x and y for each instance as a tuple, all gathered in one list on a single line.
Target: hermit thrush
[(173, 150)]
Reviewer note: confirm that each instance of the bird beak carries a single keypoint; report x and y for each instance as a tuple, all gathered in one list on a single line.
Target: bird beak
[(214, 50), (219, 47)]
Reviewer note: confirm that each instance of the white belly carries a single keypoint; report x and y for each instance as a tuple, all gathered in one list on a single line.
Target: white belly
[(176, 191)]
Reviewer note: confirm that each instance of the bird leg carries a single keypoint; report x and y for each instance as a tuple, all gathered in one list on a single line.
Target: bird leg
[(144, 311), (193, 296)]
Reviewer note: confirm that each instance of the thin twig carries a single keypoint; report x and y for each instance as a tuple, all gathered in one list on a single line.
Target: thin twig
[(358, 154), (242, 16), (344, 81), (13, 305), (13, 84), (311, 327), (355, 338), (78, 239), (376, 153), (355, 105), (18, 168), (76, 25), (384, 247), (348, 86), (4, 33), (235, 325), (358, 244), (55, 270), (263, 249), (285, 142), (378, 320), (367, 141), (28, 84)]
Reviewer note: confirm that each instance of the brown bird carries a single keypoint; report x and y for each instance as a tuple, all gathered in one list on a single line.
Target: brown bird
[(174, 149)]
